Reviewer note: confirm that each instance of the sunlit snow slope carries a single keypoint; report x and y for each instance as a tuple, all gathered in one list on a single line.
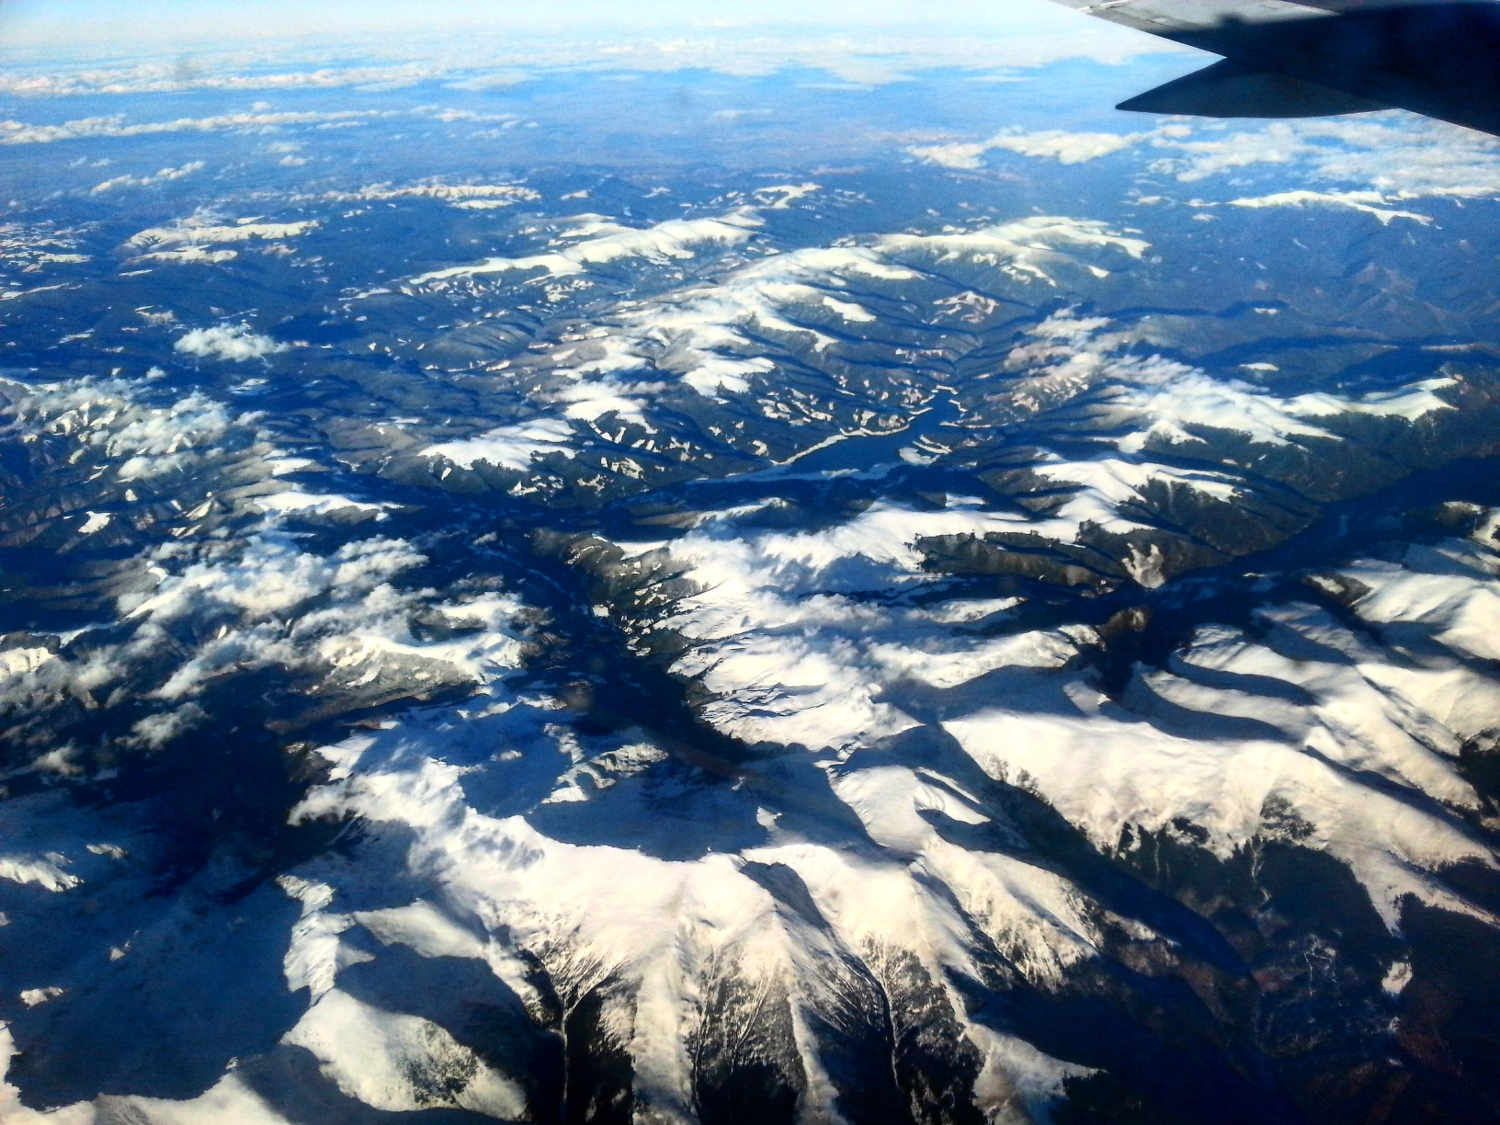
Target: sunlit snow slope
[(590, 594)]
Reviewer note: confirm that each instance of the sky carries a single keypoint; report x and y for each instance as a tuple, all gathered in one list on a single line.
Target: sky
[(60, 24)]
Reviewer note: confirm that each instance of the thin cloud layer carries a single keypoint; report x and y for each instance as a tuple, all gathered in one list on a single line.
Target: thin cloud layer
[(20, 133), (1065, 148), (482, 46), (1388, 158)]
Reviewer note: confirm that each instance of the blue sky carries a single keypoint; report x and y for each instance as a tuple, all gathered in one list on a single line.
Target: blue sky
[(59, 23)]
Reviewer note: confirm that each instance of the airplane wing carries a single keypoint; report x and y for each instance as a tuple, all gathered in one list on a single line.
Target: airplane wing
[(1440, 58)]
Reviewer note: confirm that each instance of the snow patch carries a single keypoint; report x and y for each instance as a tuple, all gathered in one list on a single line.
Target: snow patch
[(470, 196), (1366, 201), (596, 241), (165, 175), (509, 447), (45, 871), (400, 1063), (204, 231), (317, 504)]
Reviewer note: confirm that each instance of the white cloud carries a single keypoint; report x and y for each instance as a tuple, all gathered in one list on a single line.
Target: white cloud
[(1398, 155), (1277, 143), (731, 115), (228, 341), (266, 576), (158, 442), (1066, 148), (129, 439), (137, 442), (1390, 156), (255, 599), (497, 80), (155, 731), (20, 133), (155, 77), (480, 47), (1407, 157), (337, 617)]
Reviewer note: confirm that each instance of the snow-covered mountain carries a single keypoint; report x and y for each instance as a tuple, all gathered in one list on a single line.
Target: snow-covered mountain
[(844, 624)]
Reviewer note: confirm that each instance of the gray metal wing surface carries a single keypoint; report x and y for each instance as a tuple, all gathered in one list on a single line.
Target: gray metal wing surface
[(1440, 58)]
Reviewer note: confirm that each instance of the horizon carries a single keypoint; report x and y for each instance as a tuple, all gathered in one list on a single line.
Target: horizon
[(63, 28)]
